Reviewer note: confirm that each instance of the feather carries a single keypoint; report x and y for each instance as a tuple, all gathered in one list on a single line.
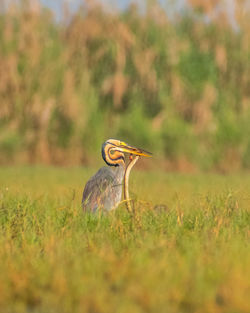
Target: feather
[(104, 189)]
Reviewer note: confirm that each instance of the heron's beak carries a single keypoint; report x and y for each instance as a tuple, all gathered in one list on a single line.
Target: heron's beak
[(133, 150)]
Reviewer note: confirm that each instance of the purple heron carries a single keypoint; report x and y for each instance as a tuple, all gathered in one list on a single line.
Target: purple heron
[(103, 191)]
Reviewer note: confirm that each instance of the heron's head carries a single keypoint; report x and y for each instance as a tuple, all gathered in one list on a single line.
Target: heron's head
[(113, 151)]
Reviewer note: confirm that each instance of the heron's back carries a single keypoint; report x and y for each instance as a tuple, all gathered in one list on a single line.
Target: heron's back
[(104, 189)]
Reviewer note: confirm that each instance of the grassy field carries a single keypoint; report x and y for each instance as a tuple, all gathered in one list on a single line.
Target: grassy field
[(186, 249)]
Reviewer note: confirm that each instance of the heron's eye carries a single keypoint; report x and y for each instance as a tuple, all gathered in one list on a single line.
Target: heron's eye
[(112, 151)]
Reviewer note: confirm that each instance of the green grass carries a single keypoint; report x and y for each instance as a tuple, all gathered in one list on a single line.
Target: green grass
[(186, 249)]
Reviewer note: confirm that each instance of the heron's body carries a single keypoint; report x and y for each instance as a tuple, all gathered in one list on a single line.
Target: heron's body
[(103, 191)]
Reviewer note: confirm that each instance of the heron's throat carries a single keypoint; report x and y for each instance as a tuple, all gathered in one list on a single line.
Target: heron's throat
[(111, 156)]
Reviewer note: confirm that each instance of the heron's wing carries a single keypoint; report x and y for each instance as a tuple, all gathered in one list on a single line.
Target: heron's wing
[(99, 190)]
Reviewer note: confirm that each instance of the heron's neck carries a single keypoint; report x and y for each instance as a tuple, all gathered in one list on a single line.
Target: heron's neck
[(119, 172)]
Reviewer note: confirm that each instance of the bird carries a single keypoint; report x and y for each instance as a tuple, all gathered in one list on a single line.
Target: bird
[(103, 191)]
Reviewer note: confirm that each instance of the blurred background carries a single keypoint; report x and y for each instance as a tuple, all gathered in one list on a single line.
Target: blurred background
[(172, 77)]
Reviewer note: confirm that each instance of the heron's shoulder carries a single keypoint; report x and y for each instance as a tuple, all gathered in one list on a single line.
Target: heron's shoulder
[(99, 182), (102, 176), (105, 171)]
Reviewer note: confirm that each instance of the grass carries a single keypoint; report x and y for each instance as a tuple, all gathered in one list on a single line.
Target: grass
[(186, 250)]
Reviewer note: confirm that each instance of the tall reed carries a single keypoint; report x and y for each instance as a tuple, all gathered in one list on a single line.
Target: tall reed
[(179, 87)]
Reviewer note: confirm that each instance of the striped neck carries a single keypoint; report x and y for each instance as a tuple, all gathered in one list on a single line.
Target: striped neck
[(111, 156)]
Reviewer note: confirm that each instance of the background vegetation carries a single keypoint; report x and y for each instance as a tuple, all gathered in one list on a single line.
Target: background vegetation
[(186, 250), (179, 87)]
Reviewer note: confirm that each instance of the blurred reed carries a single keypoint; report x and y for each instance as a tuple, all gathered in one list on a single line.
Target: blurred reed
[(179, 88)]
